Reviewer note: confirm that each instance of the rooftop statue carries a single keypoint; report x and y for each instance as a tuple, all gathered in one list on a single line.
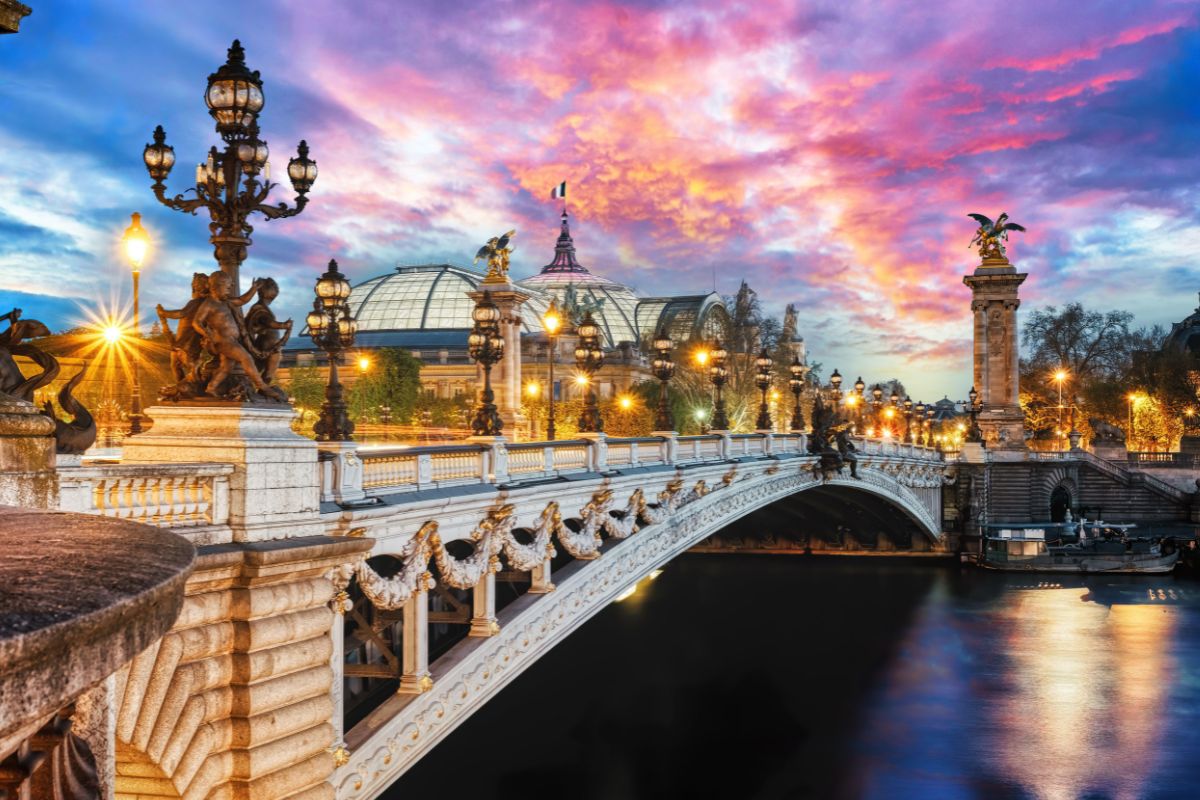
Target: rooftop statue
[(990, 236), (497, 252)]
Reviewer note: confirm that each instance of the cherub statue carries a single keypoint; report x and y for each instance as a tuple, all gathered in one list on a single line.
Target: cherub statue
[(185, 343), (262, 331), (497, 253), (990, 236), (220, 326)]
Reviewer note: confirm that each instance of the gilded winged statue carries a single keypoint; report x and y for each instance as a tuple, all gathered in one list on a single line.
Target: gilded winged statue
[(991, 235), (496, 251)]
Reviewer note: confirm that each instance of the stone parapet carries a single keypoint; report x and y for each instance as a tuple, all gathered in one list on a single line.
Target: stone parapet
[(275, 482), (238, 699)]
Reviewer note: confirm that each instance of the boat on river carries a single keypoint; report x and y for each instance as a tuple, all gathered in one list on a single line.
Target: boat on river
[(1083, 547)]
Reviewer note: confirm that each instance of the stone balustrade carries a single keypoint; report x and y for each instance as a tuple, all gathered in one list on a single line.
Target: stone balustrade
[(190, 499), (403, 469)]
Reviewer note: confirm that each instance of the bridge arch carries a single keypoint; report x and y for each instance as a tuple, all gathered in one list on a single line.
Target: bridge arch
[(380, 753)]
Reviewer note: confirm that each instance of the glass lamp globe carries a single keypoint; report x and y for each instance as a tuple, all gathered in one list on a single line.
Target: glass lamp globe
[(234, 95), (159, 157), (302, 170)]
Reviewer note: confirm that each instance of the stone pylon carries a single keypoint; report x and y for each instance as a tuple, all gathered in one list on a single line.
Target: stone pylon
[(994, 302), (506, 375)]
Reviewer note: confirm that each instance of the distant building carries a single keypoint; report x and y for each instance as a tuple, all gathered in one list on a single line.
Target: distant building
[(424, 308), (1184, 336)]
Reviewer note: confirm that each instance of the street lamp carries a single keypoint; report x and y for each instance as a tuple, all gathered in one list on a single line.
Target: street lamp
[(137, 244), (718, 374), (228, 183), (763, 381), (796, 384), (663, 368), (835, 380), (551, 323), (589, 358), (919, 416), (332, 329), (486, 346), (908, 412), (877, 407), (385, 418), (974, 434)]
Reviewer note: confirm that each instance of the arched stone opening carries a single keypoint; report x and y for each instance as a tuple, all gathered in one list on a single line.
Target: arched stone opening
[(1060, 503), (826, 517)]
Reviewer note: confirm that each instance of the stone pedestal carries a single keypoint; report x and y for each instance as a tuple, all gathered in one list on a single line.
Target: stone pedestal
[(274, 489), (506, 375), (341, 473), (27, 463), (1190, 444), (1111, 451), (994, 301)]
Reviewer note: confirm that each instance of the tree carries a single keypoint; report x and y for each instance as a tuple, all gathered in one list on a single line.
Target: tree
[(393, 379), (306, 387)]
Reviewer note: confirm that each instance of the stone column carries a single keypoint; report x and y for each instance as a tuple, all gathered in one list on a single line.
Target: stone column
[(506, 375), (483, 607), (994, 301), (414, 657)]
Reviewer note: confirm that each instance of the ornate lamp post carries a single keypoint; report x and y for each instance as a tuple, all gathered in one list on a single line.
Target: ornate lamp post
[(796, 384), (929, 413), (973, 432), (763, 380), (877, 408), (136, 243), (919, 416), (663, 368), (589, 358), (486, 346), (332, 329), (860, 403), (908, 414), (718, 374), (385, 418), (551, 323), (228, 183)]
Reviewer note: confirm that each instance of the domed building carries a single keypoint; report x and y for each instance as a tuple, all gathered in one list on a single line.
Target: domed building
[(425, 309)]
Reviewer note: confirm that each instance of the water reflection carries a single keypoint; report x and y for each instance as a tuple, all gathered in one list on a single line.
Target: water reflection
[(1023, 690), (750, 676)]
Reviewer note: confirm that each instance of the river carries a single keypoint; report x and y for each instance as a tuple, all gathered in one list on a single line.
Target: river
[(747, 676)]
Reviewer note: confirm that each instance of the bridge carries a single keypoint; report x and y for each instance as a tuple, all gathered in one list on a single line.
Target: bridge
[(348, 607)]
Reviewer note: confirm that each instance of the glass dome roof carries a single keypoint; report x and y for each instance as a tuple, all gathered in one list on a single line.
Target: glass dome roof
[(427, 297), (432, 297)]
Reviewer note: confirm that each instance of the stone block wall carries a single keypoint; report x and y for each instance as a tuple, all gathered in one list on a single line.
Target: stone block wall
[(237, 700)]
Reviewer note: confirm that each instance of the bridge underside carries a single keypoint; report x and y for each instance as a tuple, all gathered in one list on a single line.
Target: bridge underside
[(830, 518)]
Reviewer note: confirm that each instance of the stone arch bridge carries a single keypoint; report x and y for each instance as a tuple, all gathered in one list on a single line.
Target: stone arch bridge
[(350, 607)]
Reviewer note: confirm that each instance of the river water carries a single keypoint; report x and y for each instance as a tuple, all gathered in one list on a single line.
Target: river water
[(746, 676)]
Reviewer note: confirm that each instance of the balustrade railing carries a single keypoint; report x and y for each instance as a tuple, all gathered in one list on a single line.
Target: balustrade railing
[(392, 470), (1145, 460), (176, 496)]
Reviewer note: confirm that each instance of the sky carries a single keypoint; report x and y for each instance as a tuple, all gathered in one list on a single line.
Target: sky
[(825, 152)]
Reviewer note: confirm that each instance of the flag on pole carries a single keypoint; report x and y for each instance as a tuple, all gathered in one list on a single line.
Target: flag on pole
[(559, 191)]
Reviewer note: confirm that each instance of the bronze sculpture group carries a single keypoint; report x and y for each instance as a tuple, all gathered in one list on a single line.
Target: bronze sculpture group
[(830, 440), (219, 353), (991, 235), (71, 436)]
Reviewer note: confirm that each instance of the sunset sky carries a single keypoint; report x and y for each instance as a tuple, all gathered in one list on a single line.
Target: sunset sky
[(827, 153)]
